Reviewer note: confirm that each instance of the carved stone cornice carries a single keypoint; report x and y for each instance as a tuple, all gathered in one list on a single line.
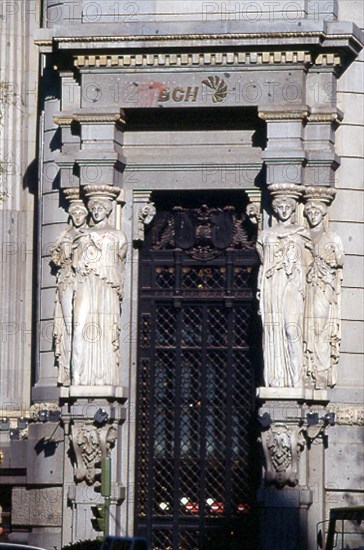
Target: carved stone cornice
[(321, 35), (328, 60), (138, 167), (193, 59), (63, 120), (283, 115), (67, 119), (335, 117)]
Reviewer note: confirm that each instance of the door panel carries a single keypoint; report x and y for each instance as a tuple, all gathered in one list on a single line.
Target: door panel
[(196, 469)]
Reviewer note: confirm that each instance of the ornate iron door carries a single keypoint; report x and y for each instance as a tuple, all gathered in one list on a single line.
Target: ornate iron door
[(195, 463)]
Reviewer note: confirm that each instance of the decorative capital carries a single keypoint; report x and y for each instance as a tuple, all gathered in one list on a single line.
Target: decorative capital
[(101, 192), (72, 194), (288, 190), (323, 195)]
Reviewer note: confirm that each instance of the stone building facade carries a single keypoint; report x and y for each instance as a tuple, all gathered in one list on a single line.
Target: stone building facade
[(190, 126)]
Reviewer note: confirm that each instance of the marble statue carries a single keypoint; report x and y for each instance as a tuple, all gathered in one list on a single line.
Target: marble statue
[(281, 290), (98, 261), (322, 308), (62, 258)]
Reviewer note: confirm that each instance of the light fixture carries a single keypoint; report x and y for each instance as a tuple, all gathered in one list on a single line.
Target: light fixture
[(100, 417), (265, 420), (329, 419), (14, 433), (43, 415), (22, 423), (54, 416), (4, 424), (312, 418)]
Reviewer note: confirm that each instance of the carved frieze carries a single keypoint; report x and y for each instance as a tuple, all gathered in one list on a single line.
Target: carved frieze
[(193, 59), (348, 415)]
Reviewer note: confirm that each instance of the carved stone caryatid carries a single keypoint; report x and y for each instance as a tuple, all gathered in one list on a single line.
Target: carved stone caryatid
[(90, 445), (98, 262), (282, 446), (281, 290), (61, 256), (322, 332)]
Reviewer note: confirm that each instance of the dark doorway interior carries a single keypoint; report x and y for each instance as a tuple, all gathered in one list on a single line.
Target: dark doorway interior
[(196, 463)]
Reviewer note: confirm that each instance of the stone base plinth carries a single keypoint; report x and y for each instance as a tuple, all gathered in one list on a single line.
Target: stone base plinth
[(294, 394), (107, 392)]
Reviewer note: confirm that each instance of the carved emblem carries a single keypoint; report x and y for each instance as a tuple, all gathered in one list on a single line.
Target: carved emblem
[(203, 233), (282, 446), (90, 445), (219, 87)]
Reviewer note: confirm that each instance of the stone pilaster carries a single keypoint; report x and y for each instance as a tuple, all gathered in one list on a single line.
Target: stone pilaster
[(18, 184)]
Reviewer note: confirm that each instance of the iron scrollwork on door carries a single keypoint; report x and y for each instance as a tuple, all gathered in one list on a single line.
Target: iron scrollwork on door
[(203, 233)]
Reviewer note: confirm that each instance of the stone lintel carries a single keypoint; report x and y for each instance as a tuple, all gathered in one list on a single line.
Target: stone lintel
[(294, 394)]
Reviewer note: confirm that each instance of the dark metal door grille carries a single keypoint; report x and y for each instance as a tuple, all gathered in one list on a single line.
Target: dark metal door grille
[(195, 398)]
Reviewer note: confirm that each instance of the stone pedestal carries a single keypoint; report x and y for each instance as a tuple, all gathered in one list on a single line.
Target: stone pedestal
[(93, 430), (293, 465)]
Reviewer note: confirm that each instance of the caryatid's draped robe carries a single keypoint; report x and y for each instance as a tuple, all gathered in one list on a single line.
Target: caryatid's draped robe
[(282, 281), (322, 332), (99, 265)]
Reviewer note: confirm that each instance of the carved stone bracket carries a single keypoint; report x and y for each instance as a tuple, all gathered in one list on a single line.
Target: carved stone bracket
[(144, 212), (91, 444), (253, 209), (282, 446)]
